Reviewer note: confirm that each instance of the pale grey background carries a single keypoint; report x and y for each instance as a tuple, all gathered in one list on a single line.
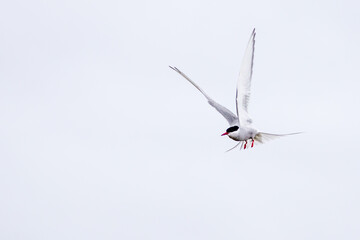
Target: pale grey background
[(99, 139)]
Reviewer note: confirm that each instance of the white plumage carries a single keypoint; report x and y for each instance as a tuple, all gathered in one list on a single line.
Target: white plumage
[(241, 128)]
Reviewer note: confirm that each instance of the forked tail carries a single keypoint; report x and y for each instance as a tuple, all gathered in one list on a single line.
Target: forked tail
[(262, 137)]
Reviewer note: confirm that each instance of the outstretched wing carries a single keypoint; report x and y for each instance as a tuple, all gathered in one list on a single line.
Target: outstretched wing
[(262, 137), (228, 115), (244, 83)]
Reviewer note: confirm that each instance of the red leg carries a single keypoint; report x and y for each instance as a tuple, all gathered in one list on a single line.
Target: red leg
[(252, 144), (245, 144)]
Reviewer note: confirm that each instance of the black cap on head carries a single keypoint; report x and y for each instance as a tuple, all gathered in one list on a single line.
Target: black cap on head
[(232, 129)]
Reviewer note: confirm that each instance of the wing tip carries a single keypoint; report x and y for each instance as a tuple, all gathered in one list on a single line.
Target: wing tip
[(253, 31), (175, 69)]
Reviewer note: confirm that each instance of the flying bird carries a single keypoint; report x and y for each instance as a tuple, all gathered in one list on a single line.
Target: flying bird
[(241, 128)]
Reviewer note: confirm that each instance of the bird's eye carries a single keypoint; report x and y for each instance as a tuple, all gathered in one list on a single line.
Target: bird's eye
[(232, 129)]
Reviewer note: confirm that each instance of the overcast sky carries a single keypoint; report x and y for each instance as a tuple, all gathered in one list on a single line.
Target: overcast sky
[(99, 139)]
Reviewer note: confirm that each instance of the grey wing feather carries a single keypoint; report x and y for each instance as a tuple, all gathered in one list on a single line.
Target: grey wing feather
[(262, 137), (244, 82), (228, 115)]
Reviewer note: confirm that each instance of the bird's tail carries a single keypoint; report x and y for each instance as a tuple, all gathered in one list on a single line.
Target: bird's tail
[(262, 137)]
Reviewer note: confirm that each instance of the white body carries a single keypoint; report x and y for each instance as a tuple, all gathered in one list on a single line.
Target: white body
[(243, 134)]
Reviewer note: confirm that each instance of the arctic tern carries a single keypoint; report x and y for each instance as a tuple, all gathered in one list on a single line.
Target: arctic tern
[(241, 128)]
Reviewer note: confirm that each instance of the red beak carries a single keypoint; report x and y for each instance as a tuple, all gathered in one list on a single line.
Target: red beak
[(224, 134)]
